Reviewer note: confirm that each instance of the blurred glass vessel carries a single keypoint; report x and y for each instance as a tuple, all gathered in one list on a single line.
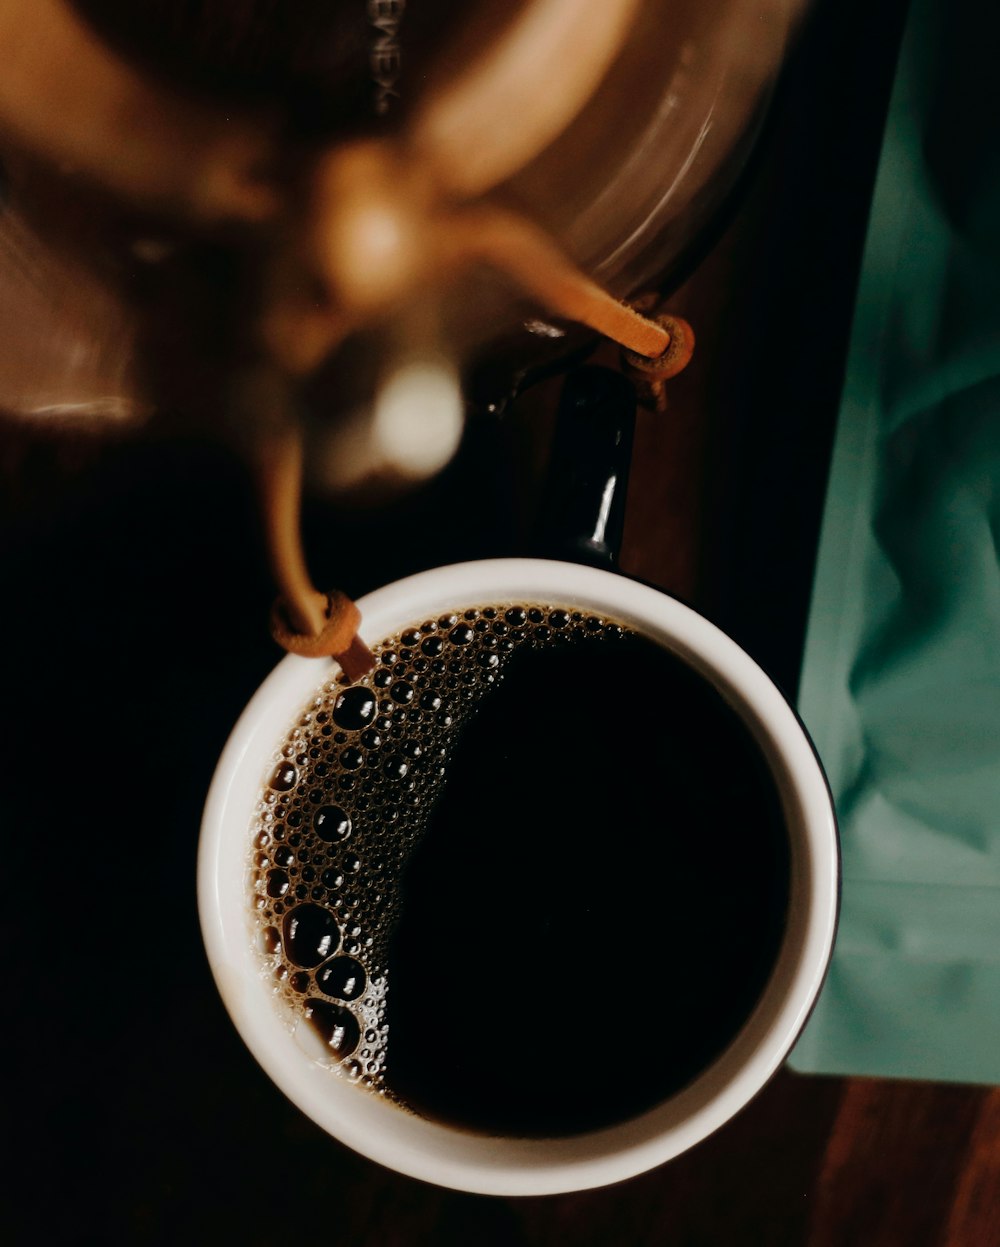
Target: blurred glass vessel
[(634, 179), (624, 184)]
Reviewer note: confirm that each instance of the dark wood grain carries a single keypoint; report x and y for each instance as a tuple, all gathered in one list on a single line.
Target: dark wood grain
[(974, 1214), (893, 1163)]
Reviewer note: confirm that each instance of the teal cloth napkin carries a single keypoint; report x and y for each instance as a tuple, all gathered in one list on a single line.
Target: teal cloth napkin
[(901, 678)]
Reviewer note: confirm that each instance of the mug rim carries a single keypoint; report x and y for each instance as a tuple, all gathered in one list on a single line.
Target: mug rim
[(449, 1156)]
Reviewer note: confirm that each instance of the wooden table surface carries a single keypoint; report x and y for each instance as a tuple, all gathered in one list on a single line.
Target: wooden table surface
[(140, 1118)]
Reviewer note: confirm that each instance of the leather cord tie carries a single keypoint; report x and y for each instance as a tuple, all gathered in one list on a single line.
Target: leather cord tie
[(650, 374), (338, 638)]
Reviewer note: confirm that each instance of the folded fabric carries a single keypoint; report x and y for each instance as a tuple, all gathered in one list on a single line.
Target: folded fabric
[(901, 678)]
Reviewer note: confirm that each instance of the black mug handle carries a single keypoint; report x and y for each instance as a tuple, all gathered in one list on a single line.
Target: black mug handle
[(582, 516)]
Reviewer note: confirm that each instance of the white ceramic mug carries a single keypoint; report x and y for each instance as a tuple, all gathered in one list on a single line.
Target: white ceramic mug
[(458, 1158)]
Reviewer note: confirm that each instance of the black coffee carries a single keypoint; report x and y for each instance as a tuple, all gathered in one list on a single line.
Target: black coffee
[(529, 878)]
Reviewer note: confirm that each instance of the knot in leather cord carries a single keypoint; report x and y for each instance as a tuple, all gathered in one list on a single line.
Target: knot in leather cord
[(649, 374), (337, 639)]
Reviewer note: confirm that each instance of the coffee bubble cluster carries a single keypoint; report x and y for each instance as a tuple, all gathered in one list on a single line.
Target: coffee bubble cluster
[(347, 796)]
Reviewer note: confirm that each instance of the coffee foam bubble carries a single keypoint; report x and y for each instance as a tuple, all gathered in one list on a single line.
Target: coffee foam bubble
[(347, 796)]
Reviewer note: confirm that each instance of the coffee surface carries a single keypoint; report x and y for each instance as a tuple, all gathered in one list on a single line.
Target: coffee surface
[(529, 877)]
